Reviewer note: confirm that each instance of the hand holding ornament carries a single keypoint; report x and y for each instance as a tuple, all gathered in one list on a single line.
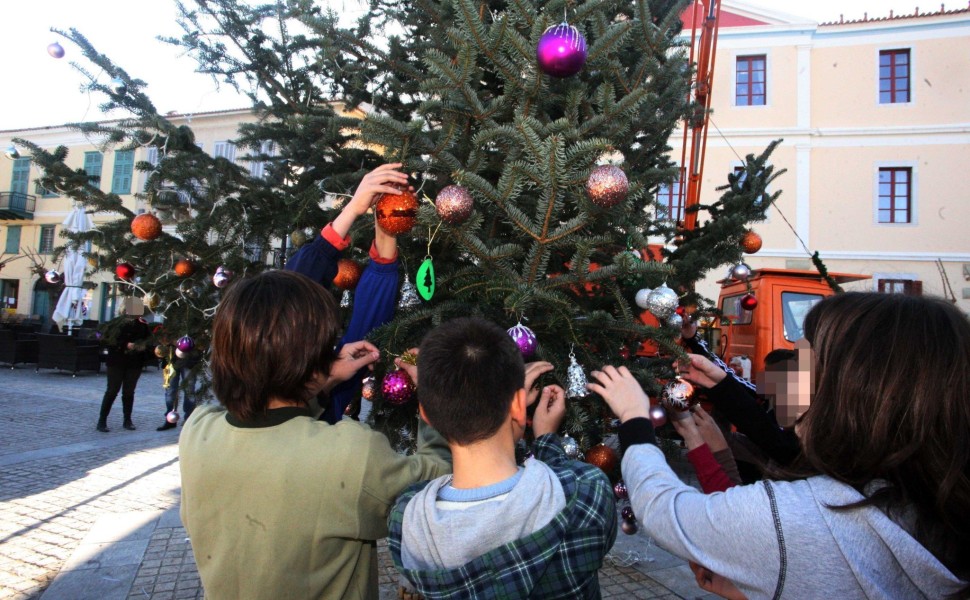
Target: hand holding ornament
[(699, 371), (352, 357), (710, 432), (533, 371), (381, 180), (621, 392), (407, 367), (687, 428), (550, 411)]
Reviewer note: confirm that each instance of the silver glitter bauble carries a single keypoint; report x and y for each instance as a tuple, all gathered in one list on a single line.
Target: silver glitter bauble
[(409, 295), (662, 302), (642, 297), (570, 447), (741, 272), (607, 186), (675, 321), (454, 204), (575, 379), (345, 300)]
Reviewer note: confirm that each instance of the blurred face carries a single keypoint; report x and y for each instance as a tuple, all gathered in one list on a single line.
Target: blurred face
[(789, 385)]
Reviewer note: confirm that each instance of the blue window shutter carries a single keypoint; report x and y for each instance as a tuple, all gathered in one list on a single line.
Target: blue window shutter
[(92, 166), (13, 239), (124, 167), (21, 175)]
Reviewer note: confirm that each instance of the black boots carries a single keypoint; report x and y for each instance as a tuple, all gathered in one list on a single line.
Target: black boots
[(103, 428), (166, 426), (129, 425)]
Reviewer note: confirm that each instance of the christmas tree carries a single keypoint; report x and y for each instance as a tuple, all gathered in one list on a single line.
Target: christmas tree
[(551, 119)]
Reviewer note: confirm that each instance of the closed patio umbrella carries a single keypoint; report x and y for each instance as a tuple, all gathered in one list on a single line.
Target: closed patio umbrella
[(71, 308)]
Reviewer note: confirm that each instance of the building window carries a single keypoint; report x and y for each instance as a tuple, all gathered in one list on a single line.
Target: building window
[(121, 175), (257, 168), (43, 192), (92, 166), (894, 74), (46, 239), (670, 202), (895, 195), (9, 291), (226, 150), (21, 176), (151, 157), (750, 81), (910, 287), (13, 240)]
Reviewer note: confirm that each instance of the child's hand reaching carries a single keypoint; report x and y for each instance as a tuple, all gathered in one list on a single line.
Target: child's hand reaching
[(709, 430), (550, 411), (687, 428), (621, 391), (381, 180), (532, 372)]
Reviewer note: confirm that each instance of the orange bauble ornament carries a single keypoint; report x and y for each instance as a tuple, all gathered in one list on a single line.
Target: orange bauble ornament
[(750, 242), (397, 213), (604, 457), (348, 274), (184, 268), (146, 227)]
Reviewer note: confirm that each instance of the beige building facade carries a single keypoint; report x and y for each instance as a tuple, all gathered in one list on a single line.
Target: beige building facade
[(876, 132)]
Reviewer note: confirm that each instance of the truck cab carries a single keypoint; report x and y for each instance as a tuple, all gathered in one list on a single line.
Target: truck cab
[(784, 298)]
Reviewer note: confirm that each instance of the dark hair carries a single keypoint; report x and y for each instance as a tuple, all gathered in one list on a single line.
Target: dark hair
[(892, 379), (779, 355), (469, 372), (271, 335)]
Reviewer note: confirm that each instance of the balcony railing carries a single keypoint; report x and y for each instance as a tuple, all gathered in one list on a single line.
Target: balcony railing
[(17, 205)]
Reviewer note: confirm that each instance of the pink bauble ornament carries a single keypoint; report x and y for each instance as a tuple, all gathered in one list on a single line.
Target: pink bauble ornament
[(220, 280), (607, 186), (561, 51), (55, 50), (525, 339), (658, 416), (620, 491), (454, 204), (172, 417), (627, 513), (185, 344), (397, 387)]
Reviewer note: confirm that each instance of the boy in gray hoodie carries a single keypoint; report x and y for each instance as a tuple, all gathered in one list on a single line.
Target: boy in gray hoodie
[(496, 529)]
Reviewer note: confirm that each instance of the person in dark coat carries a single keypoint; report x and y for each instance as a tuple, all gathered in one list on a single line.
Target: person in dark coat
[(126, 358)]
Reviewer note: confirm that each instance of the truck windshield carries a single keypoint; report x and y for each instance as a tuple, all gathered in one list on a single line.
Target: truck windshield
[(794, 307)]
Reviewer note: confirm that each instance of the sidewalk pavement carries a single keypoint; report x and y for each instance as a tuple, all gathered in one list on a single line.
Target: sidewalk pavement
[(86, 515)]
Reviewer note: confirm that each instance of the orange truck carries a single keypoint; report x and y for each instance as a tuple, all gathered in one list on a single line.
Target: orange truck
[(784, 298)]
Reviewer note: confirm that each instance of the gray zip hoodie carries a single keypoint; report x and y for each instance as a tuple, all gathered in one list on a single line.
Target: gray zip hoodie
[(779, 539)]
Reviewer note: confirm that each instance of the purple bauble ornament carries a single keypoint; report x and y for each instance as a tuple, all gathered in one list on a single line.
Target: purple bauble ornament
[(525, 339), (627, 513), (658, 416), (619, 490), (172, 417), (454, 204), (55, 50), (53, 277), (397, 387), (185, 344), (561, 51), (220, 279), (629, 527)]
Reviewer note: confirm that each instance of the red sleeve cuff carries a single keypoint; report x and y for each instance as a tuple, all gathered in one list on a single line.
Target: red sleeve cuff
[(374, 256), (334, 238)]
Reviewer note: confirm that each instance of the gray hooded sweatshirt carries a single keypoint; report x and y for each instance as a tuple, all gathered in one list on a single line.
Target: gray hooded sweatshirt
[(779, 539)]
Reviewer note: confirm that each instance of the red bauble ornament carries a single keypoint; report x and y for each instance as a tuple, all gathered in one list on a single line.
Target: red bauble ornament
[(749, 302), (348, 274), (397, 213), (607, 186), (125, 271), (750, 242), (184, 268), (397, 387), (146, 227), (604, 457)]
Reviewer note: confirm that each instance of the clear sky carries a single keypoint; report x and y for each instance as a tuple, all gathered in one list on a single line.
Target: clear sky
[(40, 90)]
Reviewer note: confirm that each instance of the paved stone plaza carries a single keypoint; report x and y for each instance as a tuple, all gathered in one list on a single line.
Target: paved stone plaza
[(92, 516)]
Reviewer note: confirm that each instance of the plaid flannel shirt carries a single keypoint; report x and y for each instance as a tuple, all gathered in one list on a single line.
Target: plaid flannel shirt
[(559, 560)]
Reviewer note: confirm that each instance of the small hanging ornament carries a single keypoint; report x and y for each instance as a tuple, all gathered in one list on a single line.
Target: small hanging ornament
[(180, 354), (561, 51), (604, 457), (397, 213), (167, 374), (125, 271), (172, 417), (629, 523), (570, 447), (348, 274), (740, 272), (222, 278), (629, 527), (425, 278), (368, 388), (575, 379), (658, 416), (525, 339), (643, 297), (674, 321), (146, 227), (409, 294), (185, 344), (160, 353), (118, 87), (184, 267), (626, 513), (662, 302), (397, 387), (152, 300), (298, 238), (53, 277), (620, 491), (750, 242), (55, 50), (454, 204), (345, 299), (677, 397), (749, 302), (607, 186)]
